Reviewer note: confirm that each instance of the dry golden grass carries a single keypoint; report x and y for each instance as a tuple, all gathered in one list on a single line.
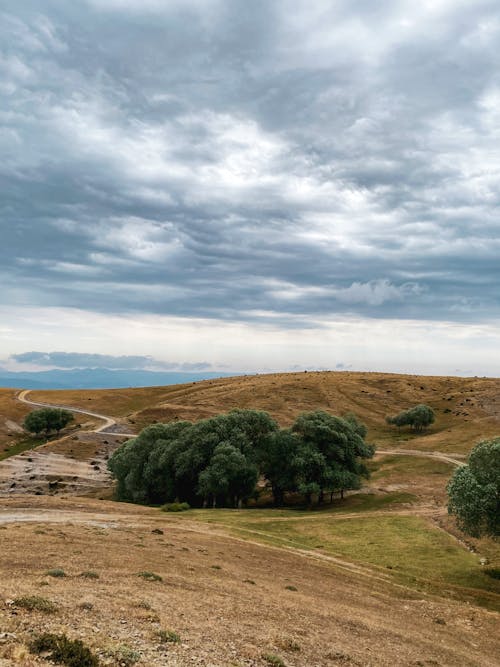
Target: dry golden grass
[(224, 574), (226, 598), (12, 414), (472, 405)]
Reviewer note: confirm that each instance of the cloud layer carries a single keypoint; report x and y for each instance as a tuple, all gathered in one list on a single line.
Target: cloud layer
[(246, 162)]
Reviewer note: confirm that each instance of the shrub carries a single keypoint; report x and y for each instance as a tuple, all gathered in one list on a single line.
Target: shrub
[(125, 656), (290, 588), (273, 660), (35, 603), (493, 572), (56, 572), (150, 576), (89, 574), (176, 507), (60, 649), (169, 636)]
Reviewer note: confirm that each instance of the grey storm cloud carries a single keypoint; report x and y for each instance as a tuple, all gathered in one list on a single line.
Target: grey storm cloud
[(229, 159), (84, 360)]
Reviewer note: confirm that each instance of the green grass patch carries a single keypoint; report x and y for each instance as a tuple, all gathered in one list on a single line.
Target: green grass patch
[(407, 548), (359, 502), (20, 447), (407, 467)]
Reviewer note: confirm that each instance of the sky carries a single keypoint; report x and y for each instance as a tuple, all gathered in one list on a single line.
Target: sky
[(250, 186)]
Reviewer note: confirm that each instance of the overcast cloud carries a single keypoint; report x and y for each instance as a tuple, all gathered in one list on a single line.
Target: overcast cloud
[(267, 163)]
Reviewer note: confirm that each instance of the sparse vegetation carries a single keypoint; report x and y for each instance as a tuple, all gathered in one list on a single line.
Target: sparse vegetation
[(124, 656), (273, 660), (89, 574), (150, 576), (168, 637), (35, 603), (56, 572), (63, 651), (176, 507)]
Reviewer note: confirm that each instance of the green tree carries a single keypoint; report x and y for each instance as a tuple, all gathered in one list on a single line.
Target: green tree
[(229, 477), (474, 491), (165, 461), (276, 458), (418, 418), (47, 419), (35, 422), (331, 454)]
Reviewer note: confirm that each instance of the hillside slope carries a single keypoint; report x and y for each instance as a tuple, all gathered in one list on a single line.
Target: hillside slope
[(468, 409)]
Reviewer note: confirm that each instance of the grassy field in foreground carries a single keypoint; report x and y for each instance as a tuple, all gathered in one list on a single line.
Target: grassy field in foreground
[(409, 549)]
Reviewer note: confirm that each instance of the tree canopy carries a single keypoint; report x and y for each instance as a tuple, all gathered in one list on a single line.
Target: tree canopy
[(419, 417), (47, 420), (474, 491), (218, 461)]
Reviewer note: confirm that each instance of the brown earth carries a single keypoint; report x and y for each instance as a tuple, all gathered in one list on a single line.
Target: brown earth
[(226, 598)]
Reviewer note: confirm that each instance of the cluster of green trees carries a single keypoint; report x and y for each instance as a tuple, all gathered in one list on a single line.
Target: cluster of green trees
[(47, 420), (474, 491), (419, 417), (218, 461)]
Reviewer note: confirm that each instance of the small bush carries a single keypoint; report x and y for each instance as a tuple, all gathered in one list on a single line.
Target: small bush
[(143, 604), (86, 605), (64, 651), (169, 637), (493, 572), (273, 660), (290, 588), (35, 603), (89, 574), (176, 507), (56, 572), (150, 576), (125, 656)]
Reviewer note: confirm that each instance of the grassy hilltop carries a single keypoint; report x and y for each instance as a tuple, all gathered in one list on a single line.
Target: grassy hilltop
[(467, 409)]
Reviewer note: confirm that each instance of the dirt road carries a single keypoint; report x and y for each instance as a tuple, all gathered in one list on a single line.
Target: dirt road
[(109, 422)]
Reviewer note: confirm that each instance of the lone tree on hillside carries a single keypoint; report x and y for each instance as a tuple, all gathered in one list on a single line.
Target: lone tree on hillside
[(47, 420), (418, 418), (474, 491)]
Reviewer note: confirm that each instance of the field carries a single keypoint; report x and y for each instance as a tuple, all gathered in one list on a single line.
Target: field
[(381, 578)]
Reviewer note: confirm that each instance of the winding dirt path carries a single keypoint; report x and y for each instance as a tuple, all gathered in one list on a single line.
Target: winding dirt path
[(109, 422), (440, 456)]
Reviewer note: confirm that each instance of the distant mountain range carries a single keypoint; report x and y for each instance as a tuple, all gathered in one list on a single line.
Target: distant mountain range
[(101, 378)]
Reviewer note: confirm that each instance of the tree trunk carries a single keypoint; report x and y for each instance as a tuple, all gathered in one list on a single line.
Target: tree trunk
[(321, 497), (342, 494)]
